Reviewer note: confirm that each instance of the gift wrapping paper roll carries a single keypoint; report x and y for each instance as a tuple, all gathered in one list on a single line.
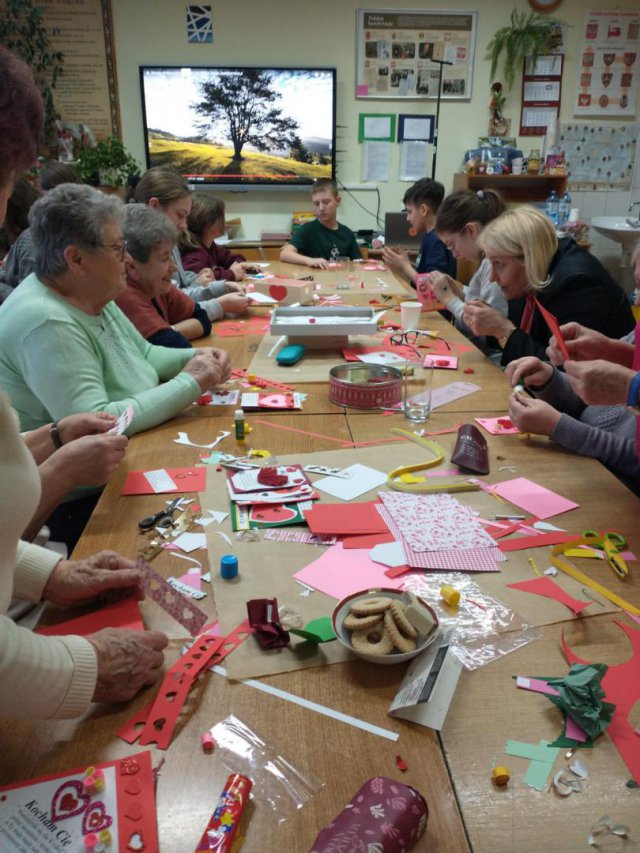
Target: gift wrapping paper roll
[(383, 817)]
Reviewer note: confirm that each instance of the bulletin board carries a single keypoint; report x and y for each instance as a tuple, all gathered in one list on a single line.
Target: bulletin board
[(87, 90), (599, 156), (396, 49)]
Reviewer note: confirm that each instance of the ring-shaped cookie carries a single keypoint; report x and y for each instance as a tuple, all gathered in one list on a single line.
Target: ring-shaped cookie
[(406, 628), (368, 606), (375, 641), (361, 623), (403, 644)]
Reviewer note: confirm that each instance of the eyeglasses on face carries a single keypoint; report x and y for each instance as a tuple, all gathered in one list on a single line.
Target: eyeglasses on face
[(118, 249)]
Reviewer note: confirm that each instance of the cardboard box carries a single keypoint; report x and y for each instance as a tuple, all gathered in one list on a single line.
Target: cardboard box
[(286, 291)]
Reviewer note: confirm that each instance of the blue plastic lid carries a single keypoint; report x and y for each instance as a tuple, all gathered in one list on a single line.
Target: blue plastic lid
[(228, 566)]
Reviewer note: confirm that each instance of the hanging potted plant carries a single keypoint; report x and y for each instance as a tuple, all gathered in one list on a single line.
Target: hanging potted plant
[(106, 164), (527, 35)]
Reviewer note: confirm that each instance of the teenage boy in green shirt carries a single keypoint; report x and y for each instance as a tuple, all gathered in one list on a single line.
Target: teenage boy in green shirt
[(323, 241)]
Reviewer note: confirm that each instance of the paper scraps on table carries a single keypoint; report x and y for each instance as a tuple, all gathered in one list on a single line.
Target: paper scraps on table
[(541, 760), (121, 614), (536, 541), (165, 481), (440, 362), (171, 601), (390, 554), (183, 438), (339, 572), (192, 578), (189, 542), (338, 519), (124, 421), (362, 479), (301, 536), (548, 588), (239, 328), (498, 426), (533, 498)]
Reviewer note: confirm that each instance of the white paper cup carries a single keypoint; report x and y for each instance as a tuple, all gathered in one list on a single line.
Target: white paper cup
[(410, 315), (516, 165), (574, 214)]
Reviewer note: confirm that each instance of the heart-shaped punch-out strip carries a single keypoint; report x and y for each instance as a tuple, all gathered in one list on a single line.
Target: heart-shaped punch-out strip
[(171, 601)]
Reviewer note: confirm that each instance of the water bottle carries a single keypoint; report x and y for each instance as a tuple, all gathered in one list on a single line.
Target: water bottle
[(552, 205), (564, 208)]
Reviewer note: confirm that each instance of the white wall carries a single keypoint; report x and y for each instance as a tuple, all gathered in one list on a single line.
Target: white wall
[(282, 32)]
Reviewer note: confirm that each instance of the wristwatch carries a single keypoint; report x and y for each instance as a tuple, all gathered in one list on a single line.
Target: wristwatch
[(633, 401), (502, 342)]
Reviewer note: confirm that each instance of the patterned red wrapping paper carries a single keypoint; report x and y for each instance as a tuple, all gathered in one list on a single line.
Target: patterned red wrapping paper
[(383, 817)]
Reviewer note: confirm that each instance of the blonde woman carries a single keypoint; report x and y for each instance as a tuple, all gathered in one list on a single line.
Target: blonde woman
[(531, 265)]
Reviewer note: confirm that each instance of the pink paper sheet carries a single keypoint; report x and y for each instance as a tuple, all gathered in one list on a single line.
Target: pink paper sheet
[(495, 427), (535, 499), (339, 572)]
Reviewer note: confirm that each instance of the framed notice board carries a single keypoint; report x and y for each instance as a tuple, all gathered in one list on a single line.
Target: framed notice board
[(541, 92)]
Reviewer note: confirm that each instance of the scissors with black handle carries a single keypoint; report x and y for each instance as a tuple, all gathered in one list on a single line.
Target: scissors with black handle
[(164, 518)]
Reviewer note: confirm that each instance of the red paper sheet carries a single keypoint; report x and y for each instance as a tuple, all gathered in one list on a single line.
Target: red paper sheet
[(367, 540), (122, 614), (186, 480), (554, 328), (534, 541), (345, 519), (550, 589)]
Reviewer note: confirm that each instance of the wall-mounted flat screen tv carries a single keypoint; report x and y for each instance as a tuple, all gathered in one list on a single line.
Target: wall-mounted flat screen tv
[(241, 127)]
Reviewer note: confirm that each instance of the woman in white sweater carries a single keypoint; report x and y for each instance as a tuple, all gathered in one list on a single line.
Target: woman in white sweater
[(40, 676)]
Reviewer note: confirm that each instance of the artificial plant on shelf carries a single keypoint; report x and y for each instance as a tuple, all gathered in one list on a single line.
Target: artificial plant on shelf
[(529, 35), (498, 124), (107, 163)]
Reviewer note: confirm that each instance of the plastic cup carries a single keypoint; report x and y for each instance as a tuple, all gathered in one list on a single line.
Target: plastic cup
[(343, 271), (410, 315), (416, 394), (516, 165)]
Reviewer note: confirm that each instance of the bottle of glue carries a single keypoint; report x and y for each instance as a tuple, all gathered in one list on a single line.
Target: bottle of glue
[(238, 424)]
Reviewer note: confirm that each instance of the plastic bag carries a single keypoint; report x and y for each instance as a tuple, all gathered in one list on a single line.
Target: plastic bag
[(485, 628), (277, 784)]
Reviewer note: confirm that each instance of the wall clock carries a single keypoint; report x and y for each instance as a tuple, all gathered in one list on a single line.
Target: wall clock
[(544, 5)]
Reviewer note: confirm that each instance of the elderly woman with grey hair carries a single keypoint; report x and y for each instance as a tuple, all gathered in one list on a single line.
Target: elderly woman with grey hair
[(66, 347), (161, 312)]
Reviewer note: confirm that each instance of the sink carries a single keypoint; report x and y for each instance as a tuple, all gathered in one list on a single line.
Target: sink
[(622, 229)]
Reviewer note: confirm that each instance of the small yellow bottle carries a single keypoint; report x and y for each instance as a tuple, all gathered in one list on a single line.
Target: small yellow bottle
[(238, 424)]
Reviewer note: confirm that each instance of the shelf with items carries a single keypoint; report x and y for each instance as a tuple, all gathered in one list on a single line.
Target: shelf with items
[(514, 188)]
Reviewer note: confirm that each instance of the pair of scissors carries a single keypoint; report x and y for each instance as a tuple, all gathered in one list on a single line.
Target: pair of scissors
[(164, 518), (611, 543)]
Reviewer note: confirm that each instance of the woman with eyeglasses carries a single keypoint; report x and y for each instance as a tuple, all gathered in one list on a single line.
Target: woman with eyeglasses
[(461, 219), (66, 347), (538, 272)]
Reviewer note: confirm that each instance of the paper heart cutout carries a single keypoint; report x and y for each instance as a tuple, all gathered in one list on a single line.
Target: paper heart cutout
[(136, 842), (187, 614), (154, 585), (133, 811), (69, 800), (95, 818), (132, 787), (277, 291), (129, 767)]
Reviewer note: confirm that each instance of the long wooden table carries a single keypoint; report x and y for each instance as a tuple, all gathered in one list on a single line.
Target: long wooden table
[(453, 769)]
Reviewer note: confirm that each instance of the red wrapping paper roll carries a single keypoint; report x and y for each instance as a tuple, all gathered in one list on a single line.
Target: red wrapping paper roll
[(222, 828), (385, 816)]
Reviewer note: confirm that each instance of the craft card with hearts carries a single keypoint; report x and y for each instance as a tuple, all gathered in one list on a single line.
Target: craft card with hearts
[(275, 400), (268, 515), (259, 479), (55, 813), (171, 601)]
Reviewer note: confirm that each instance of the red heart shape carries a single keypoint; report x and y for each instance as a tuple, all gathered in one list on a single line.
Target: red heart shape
[(277, 291), (68, 803), (129, 767), (69, 800), (133, 811), (132, 787), (96, 818)]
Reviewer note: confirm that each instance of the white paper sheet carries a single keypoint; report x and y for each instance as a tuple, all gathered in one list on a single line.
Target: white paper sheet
[(361, 480), (375, 161)]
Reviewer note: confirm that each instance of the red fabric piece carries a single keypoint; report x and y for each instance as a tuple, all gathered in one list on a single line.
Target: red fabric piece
[(621, 685), (175, 306), (550, 589), (264, 619), (527, 315)]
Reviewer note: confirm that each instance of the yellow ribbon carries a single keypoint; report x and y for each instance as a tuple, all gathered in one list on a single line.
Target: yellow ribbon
[(401, 479)]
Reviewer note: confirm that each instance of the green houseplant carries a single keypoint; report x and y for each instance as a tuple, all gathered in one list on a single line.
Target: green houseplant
[(526, 35), (106, 164), (22, 31)]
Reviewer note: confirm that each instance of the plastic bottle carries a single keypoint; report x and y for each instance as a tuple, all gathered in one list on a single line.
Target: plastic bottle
[(564, 206), (552, 207), (238, 424)]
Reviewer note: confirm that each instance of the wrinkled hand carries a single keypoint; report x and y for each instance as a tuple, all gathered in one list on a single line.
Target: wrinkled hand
[(529, 371), (205, 277), (531, 415), (442, 286), (599, 382), (238, 270), (318, 263), (127, 661), (90, 460), (104, 574), (233, 287), (234, 303), (583, 344), (86, 423), (209, 367), (484, 320)]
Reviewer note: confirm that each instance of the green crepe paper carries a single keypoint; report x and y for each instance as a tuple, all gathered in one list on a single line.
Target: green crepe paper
[(316, 631), (581, 696)]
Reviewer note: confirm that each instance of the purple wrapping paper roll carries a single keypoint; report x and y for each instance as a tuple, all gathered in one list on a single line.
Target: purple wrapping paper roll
[(384, 817)]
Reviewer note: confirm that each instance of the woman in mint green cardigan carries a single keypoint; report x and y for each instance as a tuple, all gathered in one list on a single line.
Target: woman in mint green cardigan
[(65, 346)]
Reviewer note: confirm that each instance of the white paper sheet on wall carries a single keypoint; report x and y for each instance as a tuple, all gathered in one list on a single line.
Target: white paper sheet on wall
[(375, 161)]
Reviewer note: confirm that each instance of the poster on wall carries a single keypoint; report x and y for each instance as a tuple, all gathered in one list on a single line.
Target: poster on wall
[(607, 79), (599, 156), (398, 52), (87, 91)]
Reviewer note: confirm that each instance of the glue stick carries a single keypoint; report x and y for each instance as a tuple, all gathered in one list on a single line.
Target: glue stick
[(238, 424)]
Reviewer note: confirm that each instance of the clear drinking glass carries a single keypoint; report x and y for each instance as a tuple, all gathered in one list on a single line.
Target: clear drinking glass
[(416, 393)]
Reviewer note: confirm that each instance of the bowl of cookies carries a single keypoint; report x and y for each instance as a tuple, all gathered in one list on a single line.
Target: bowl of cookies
[(384, 626)]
